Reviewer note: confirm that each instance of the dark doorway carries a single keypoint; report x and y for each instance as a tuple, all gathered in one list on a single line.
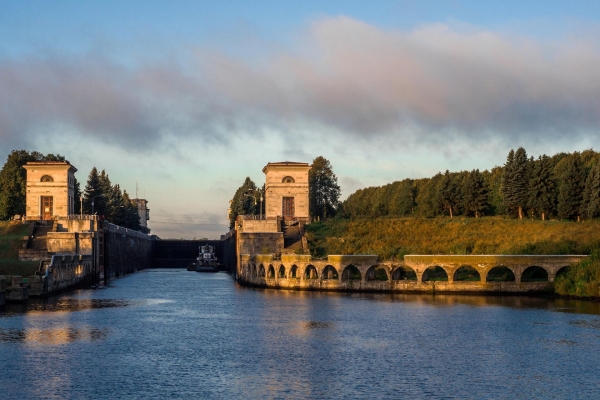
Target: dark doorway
[(47, 207), (288, 207)]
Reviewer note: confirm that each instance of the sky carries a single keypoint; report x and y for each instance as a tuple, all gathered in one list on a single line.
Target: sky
[(187, 98)]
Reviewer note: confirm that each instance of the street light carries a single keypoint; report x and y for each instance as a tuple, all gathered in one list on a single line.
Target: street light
[(98, 195)]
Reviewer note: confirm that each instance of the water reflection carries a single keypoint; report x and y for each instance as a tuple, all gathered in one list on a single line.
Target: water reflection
[(443, 300), (60, 305), (52, 336)]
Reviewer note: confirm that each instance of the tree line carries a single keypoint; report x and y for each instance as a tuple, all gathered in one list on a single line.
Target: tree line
[(109, 201), (564, 186)]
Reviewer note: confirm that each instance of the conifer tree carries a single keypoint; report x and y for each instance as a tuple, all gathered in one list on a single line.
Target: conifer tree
[(571, 187), (590, 207), (92, 189), (449, 193), (475, 194), (323, 189), (244, 201), (131, 218), (542, 191), (515, 181)]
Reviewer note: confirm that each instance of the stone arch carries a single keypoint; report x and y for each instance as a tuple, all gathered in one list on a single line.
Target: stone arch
[(500, 273), (254, 273), (294, 271), (271, 272), (534, 273), (288, 179), (404, 273), (311, 272), (281, 272), (435, 273), (351, 273), (467, 273), (562, 271), (377, 273), (46, 178), (329, 272), (261, 271)]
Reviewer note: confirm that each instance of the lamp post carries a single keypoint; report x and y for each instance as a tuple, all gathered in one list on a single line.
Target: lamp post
[(98, 195)]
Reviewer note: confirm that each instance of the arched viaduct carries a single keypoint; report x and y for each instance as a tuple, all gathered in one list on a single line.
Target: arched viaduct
[(418, 273)]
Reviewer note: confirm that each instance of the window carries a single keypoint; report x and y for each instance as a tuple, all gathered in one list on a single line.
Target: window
[(288, 179), (47, 178)]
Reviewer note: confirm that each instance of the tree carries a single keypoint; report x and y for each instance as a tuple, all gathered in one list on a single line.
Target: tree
[(131, 217), (449, 193), (324, 191), (542, 188), (570, 192), (13, 181), (92, 189), (475, 194), (590, 207), (515, 180), (244, 201)]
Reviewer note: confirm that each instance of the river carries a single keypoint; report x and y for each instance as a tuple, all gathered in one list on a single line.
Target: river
[(178, 334)]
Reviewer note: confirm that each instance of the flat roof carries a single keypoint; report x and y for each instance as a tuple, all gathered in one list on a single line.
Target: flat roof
[(49, 163), (288, 163)]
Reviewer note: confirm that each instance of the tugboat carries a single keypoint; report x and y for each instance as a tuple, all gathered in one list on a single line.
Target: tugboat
[(207, 260)]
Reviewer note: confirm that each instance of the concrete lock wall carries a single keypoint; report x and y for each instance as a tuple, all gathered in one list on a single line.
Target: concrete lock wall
[(126, 251), (259, 243), (228, 245), (63, 272)]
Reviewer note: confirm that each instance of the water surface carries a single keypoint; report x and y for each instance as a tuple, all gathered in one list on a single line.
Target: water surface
[(180, 334)]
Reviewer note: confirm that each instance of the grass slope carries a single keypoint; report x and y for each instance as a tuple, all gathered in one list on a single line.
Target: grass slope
[(392, 238), (11, 234)]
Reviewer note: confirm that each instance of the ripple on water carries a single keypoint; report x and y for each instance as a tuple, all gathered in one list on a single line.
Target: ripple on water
[(594, 323)]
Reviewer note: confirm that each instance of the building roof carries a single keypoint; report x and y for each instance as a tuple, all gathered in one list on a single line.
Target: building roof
[(288, 163), (49, 163)]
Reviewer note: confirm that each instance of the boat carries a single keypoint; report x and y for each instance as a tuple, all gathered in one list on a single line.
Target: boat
[(207, 260)]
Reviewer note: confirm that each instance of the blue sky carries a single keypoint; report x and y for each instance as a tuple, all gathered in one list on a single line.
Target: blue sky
[(190, 97)]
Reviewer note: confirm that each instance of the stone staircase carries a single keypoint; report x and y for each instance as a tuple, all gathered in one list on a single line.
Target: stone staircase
[(35, 247), (292, 238)]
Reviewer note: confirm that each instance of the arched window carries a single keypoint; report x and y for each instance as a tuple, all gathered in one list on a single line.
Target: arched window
[(287, 179), (47, 178)]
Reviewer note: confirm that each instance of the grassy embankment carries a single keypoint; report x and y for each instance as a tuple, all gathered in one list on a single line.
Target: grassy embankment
[(11, 234), (392, 238)]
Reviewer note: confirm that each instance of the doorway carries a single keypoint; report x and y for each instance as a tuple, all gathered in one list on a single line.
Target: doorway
[(288, 207), (47, 207)]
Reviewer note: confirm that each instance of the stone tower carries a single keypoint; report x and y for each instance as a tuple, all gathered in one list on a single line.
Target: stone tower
[(50, 189), (286, 190)]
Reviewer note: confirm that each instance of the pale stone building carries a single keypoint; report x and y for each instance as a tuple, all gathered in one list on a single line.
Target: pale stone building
[(286, 198), (286, 190), (50, 189)]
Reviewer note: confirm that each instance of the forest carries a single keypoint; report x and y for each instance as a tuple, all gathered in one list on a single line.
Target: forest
[(563, 186)]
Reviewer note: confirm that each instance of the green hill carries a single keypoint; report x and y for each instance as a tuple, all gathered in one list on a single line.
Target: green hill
[(392, 238)]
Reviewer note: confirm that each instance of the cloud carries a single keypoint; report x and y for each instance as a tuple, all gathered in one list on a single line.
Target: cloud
[(435, 85)]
